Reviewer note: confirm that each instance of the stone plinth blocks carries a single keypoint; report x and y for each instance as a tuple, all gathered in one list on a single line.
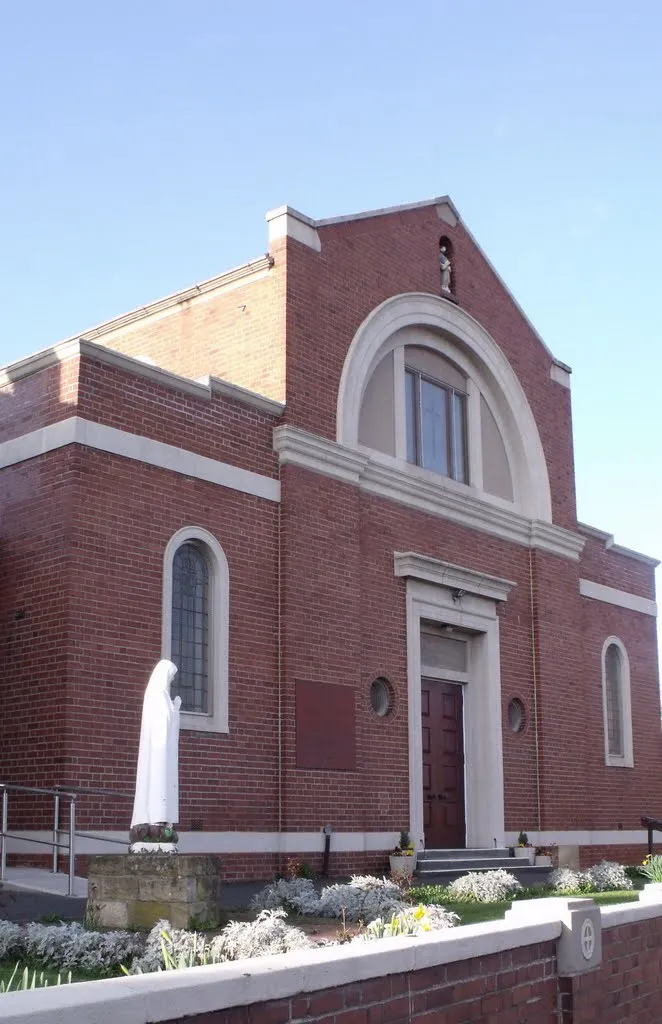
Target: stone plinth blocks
[(139, 889)]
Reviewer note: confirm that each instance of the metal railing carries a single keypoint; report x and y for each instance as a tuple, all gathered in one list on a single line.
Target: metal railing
[(59, 793), (651, 825)]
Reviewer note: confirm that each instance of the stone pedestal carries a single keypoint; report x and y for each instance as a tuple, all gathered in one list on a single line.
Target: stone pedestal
[(138, 889)]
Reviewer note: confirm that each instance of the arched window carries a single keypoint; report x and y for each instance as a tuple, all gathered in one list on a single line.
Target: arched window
[(189, 646), (616, 704), (195, 627)]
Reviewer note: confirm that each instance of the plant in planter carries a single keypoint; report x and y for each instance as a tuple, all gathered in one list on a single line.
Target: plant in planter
[(651, 869), (403, 858), (524, 850), (543, 858)]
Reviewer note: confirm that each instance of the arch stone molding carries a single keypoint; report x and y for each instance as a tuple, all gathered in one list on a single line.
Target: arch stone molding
[(376, 337), (219, 625)]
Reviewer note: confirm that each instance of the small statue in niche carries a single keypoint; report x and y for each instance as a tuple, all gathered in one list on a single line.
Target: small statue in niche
[(445, 268)]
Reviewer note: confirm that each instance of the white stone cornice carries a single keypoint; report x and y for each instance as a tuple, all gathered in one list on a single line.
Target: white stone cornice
[(421, 489), (76, 430), (548, 537), (299, 448), (620, 598), (455, 577)]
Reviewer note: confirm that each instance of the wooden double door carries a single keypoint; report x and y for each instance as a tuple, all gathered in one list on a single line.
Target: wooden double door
[(443, 764)]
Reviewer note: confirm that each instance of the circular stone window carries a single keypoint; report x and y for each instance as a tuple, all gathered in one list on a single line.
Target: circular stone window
[(380, 697), (516, 715)]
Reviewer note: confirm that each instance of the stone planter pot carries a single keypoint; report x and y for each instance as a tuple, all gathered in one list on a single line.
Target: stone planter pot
[(524, 853), (402, 865), (543, 860)]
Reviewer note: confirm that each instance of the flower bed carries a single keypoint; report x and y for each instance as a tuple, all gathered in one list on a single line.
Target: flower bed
[(376, 908)]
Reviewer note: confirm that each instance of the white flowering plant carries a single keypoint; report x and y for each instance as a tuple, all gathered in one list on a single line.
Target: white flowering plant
[(297, 895), (268, 933), (173, 949), (484, 887), (363, 898), (608, 876), (68, 946), (412, 921), (567, 881)]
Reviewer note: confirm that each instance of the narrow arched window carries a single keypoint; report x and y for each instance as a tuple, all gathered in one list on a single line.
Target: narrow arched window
[(616, 704), (190, 627), (614, 698), (195, 626)]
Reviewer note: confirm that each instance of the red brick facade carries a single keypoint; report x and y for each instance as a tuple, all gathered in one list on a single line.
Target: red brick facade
[(313, 595)]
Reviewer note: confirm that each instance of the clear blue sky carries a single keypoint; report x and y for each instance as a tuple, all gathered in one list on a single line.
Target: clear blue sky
[(141, 144)]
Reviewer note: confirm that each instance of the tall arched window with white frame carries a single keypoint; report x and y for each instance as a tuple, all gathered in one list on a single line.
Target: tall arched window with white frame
[(616, 704), (195, 626), (190, 626)]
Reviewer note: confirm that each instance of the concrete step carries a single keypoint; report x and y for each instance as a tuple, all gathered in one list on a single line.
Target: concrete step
[(453, 855), (432, 864), (527, 875)]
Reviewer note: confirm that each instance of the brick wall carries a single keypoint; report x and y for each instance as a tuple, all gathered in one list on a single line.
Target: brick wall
[(628, 985), (517, 985), (364, 262), (83, 535), (236, 333)]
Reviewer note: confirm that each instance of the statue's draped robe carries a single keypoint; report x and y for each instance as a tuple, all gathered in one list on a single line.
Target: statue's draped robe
[(157, 779)]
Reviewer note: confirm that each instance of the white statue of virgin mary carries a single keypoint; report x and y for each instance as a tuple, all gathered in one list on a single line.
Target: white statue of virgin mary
[(157, 779)]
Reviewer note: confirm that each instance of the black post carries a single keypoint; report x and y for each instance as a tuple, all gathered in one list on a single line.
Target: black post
[(327, 850), (650, 841)]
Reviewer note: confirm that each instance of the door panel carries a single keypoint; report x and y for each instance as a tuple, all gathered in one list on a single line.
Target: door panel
[(443, 764)]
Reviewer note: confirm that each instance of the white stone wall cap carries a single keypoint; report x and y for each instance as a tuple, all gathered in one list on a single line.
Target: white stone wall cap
[(77, 430), (170, 995)]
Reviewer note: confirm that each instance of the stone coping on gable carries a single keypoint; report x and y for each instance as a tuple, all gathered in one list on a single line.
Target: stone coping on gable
[(202, 389)]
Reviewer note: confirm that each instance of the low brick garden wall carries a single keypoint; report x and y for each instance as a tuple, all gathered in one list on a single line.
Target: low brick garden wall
[(541, 965)]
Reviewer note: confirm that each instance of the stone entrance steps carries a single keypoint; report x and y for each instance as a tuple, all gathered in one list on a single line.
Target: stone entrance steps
[(441, 867)]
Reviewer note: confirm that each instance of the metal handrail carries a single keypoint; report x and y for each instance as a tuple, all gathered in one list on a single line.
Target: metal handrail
[(93, 789), (57, 792), (651, 825)]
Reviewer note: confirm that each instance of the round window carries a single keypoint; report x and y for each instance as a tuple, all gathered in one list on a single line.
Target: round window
[(516, 715), (380, 697)]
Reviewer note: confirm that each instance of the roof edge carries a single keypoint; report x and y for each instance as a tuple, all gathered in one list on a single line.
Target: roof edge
[(202, 389), (607, 539), (288, 212)]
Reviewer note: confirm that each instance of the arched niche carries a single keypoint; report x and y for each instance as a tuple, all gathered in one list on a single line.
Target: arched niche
[(433, 323)]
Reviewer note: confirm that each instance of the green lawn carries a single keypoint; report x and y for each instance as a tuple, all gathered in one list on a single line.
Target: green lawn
[(7, 969), (472, 913)]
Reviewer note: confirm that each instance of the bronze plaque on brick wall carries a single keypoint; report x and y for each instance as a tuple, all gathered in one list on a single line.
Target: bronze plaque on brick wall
[(326, 726)]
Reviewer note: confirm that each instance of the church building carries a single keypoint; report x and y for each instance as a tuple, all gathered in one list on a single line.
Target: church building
[(335, 486)]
